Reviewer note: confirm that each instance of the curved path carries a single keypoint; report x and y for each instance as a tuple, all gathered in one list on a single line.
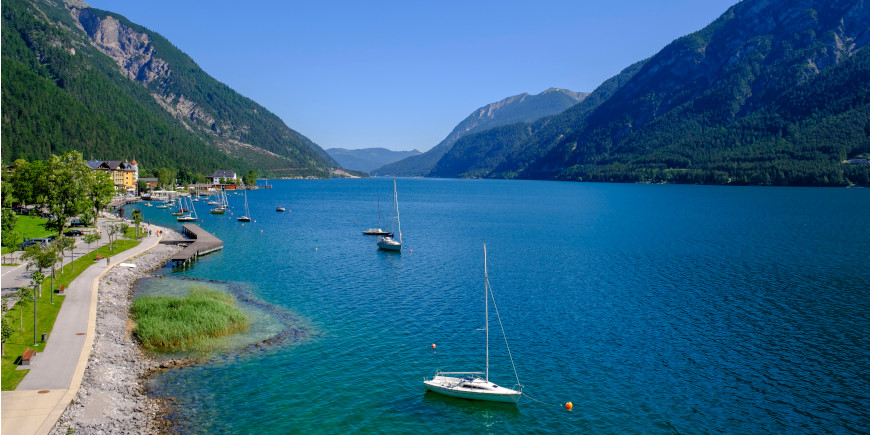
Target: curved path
[(56, 374)]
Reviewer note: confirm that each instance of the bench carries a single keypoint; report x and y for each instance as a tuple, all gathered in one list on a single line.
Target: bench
[(60, 290), (98, 257), (28, 354)]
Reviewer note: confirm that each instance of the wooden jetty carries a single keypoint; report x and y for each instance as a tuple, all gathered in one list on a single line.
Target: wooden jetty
[(201, 242)]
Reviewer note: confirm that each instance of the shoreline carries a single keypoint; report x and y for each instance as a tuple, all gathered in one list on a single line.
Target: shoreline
[(112, 395)]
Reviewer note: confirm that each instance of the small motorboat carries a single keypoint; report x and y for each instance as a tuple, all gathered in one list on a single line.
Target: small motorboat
[(279, 208)]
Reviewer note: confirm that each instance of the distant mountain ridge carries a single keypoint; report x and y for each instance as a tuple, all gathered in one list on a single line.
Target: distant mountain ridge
[(367, 159), (120, 90), (518, 108), (770, 93)]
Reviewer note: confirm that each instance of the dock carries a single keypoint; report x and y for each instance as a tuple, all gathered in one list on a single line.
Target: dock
[(201, 242)]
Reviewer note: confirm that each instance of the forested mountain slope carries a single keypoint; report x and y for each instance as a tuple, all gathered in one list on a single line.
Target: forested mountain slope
[(518, 108), (77, 78), (770, 93)]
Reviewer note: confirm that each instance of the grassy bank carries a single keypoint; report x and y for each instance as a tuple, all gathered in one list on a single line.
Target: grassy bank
[(46, 314), (188, 324), (30, 227)]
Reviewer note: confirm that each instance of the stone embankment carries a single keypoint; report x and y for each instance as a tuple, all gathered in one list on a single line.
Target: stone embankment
[(112, 397)]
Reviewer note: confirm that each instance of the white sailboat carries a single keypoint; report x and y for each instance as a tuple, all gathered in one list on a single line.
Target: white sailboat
[(388, 243), (469, 385), (191, 215), (246, 216), (377, 231), (220, 204)]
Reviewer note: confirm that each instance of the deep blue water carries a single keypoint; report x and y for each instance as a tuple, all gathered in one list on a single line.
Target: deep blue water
[(653, 308)]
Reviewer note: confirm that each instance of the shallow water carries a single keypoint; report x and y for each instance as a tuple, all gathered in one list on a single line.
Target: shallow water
[(653, 308)]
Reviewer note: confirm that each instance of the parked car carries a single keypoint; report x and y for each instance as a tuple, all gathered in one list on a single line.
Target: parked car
[(72, 233), (36, 241), (76, 223), (29, 243)]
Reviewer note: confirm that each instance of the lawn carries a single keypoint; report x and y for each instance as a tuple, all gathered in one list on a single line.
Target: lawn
[(30, 227), (46, 314)]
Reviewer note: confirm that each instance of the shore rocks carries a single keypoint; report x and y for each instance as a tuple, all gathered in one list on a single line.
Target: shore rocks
[(112, 397)]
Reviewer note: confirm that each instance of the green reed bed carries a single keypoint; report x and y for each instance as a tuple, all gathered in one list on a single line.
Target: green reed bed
[(187, 324)]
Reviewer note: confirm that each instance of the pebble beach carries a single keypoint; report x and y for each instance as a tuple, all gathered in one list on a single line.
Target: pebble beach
[(112, 397)]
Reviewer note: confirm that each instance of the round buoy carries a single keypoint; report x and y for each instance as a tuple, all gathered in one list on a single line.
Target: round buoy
[(410, 250), (315, 249), (261, 231), (433, 345), (569, 405)]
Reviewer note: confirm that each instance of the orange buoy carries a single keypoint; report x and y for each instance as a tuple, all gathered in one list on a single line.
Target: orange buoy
[(410, 250), (569, 406), (433, 345)]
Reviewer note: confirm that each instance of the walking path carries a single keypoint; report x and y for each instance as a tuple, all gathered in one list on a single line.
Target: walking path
[(56, 374)]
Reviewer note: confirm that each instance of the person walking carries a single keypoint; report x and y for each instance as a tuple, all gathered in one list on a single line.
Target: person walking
[(107, 260)]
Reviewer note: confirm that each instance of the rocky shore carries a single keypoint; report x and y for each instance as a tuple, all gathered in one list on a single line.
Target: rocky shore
[(112, 397)]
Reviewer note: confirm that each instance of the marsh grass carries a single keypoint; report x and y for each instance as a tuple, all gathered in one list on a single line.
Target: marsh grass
[(187, 324)]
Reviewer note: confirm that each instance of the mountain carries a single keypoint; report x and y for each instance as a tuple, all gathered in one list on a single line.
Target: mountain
[(76, 77), (769, 93), (367, 159), (518, 108)]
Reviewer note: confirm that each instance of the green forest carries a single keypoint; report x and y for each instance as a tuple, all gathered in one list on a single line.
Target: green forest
[(725, 105), (59, 94)]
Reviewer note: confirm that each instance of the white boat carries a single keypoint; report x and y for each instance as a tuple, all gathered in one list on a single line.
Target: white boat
[(470, 385), (388, 243), (189, 217), (377, 231), (279, 208), (245, 217), (221, 204)]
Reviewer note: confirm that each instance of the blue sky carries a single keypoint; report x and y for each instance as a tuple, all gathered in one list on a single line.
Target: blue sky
[(401, 75)]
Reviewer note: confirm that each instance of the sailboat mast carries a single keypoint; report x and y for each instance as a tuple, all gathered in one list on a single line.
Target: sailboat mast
[(396, 200), (486, 308)]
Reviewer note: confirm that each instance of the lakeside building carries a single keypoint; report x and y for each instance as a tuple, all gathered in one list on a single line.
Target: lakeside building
[(124, 175), (228, 176), (151, 183)]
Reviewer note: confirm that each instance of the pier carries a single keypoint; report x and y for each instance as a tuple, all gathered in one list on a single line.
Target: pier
[(201, 242)]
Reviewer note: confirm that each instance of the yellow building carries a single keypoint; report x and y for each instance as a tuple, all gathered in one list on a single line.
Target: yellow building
[(124, 175)]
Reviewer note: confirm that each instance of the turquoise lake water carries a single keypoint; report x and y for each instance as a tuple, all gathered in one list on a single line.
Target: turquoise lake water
[(653, 308)]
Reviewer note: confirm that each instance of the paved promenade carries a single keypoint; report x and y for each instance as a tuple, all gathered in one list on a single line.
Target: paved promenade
[(56, 374)]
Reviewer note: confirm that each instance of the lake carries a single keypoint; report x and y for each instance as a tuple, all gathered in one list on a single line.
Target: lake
[(653, 308)]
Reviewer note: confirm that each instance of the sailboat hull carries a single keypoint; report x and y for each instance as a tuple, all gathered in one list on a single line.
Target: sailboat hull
[(376, 232), (454, 387), (388, 244)]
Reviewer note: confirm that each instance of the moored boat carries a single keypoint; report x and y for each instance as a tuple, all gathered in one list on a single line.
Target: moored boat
[(470, 385), (387, 242)]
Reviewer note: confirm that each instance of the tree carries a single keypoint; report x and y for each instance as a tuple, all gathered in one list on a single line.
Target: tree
[(164, 176), (113, 231), (36, 279), (91, 238), (250, 178), (100, 190), (41, 257), (9, 235), (25, 179), (64, 188), (137, 219), (24, 295), (64, 244), (6, 328)]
